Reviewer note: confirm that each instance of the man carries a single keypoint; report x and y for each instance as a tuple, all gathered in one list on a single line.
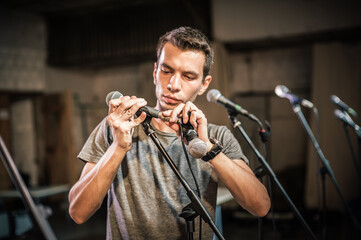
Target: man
[(144, 196)]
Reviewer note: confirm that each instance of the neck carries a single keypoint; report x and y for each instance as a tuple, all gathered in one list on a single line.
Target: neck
[(161, 126)]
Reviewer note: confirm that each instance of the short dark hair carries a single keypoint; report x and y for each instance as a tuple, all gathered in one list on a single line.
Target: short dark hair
[(188, 38)]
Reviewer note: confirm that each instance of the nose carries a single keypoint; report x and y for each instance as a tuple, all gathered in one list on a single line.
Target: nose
[(174, 83)]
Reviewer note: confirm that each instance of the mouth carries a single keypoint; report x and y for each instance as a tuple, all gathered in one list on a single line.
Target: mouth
[(171, 100)]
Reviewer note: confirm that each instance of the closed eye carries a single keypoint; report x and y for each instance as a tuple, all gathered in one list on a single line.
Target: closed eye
[(165, 71), (190, 77)]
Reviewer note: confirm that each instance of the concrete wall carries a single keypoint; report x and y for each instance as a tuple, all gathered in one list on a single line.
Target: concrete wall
[(22, 51), (22, 69), (245, 20)]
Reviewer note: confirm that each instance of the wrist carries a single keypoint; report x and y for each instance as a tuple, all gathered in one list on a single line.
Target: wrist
[(213, 151), (209, 145), (121, 146)]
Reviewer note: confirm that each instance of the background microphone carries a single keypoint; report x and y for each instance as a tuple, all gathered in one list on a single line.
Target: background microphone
[(215, 96), (343, 116), (336, 100), (197, 148), (151, 112), (283, 92)]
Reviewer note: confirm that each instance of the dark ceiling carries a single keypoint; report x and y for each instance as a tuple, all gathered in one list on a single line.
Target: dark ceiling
[(105, 32), (48, 7)]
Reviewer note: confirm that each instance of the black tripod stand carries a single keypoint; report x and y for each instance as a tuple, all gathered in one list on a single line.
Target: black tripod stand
[(326, 169), (196, 207), (237, 124)]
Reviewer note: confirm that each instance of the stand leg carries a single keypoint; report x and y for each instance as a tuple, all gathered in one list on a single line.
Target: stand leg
[(324, 207), (37, 217), (189, 214)]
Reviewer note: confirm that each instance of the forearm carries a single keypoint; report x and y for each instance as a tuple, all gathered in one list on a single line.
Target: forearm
[(87, 195), (247, 190)]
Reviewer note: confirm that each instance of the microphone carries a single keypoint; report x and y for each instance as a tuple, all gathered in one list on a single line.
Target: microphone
[(283, 92), (336, 100), (151, 112), (197, 148), (215, 96), (343, 116)]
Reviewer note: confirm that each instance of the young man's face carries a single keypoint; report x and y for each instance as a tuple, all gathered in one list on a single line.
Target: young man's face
[(178, 76)]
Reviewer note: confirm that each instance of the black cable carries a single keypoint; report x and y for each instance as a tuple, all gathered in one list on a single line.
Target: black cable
[(195, 179)]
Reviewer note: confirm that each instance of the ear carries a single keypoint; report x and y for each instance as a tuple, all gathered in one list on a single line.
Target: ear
[(154, 72), (205, 84)]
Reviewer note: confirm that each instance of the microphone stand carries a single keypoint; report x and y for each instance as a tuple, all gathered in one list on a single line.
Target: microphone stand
[(259, 171), (326, 167), (196, 204), (237, 124), (15, 176), (354, 158)]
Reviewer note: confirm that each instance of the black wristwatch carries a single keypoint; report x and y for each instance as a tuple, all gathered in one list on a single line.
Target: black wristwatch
[(215, 150)]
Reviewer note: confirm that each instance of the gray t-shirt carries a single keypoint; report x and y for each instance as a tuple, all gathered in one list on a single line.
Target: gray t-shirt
[(146, 198)]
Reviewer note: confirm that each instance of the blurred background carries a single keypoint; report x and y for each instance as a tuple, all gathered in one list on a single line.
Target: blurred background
[(59, 60)]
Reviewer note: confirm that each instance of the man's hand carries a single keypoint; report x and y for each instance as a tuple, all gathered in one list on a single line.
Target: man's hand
[(121, 119), (189, 113)]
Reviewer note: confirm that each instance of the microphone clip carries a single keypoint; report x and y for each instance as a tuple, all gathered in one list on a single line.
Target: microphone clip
[(188, 132), (265, 133)]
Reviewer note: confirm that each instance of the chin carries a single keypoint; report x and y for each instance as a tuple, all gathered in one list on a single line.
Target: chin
[(166, 106)]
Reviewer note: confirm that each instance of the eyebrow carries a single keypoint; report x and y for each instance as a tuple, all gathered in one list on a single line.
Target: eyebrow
[(186, 72), (166, 66)]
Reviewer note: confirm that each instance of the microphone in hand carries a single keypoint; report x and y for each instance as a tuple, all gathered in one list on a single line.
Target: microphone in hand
[(151, 112), (197, 148)]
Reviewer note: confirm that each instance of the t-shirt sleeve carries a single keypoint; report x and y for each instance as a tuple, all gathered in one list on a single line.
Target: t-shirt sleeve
[(96, 144), (231, 147)]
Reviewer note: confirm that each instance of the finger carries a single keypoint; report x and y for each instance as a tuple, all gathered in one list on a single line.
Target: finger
[(188, 108), (175, 113), (136, 104), (193, 119), (197, 117), (128, 103), (199, 122), (114, 103), (167, 113), (136, 121), (123, 105)]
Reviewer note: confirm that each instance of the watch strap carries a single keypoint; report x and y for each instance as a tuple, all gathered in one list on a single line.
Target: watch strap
[(215, 150)]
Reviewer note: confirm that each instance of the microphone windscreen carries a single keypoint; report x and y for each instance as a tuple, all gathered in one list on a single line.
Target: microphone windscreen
[(281, 90), (197, 148), (112, 95), (335, 99), (213, 95), (338, 114)]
